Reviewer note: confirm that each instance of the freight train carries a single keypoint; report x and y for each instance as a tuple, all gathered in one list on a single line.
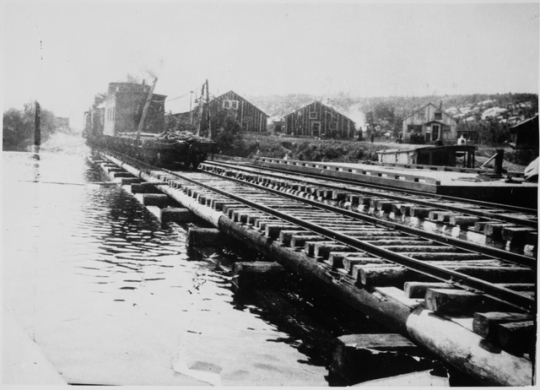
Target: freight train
[(130, 118)]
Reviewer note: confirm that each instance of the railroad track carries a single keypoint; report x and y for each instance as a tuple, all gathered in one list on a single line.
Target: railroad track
[(363, 253), (506, 226)]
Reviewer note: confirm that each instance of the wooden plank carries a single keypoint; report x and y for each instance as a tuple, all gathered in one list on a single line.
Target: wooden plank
[(300, 240), (309, 246), (274, 230), (377, 355), (516, 233), (495, 229), (459, 302), (286, 235), (418, 289), (516, 337), (323, 249), (380, 342), (463, 220), (485, 324), (397, 275), (420, 212), (349, 264), (399, 295), (256, 274)]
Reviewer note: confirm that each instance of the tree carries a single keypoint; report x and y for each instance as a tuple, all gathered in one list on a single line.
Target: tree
[(228, 133), (19, 125)]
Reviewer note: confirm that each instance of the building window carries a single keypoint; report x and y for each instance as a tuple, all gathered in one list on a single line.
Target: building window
[(234, 104), (438, 115), (313, 115), (226, 104), (415, 128)]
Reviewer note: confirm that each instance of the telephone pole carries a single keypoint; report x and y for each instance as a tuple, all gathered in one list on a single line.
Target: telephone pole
[(37, 128), (208, 111)]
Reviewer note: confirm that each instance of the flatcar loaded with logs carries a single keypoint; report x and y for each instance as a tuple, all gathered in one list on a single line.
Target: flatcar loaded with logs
[(130, 118)]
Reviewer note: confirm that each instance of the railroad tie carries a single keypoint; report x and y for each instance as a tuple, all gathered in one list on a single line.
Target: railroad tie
[(420, 212), (261, 222), (406, 209), (311, 246), (460, 302), (513, 332), (286, 235), (516, 234), (396, 275), (274, 230), (494, 230), (463, 220), (383, 205), (301, 240), (323, 249)]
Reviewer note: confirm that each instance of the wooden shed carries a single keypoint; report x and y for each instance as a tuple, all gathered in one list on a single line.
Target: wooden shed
[(251, 118), (432, 123), (525, 134), (319, 120)]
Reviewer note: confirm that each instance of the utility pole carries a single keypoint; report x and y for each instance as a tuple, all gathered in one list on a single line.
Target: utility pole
[(208, 111), (145, 109), (190, 109), (200, 110), (37, 128)]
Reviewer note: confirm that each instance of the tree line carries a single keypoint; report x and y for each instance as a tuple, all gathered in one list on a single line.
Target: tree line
[(19, 125)]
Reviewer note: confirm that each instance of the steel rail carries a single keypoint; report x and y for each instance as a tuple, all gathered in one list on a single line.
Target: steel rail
[(489, 251), (487, 214), (387, 188), (459, 279)]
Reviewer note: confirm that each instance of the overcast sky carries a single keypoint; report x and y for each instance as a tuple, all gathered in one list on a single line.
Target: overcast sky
[(62, 54)]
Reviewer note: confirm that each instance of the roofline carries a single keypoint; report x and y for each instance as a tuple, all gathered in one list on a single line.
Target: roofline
[(316, 101), (525, 121), (264, 113), (430, 104)]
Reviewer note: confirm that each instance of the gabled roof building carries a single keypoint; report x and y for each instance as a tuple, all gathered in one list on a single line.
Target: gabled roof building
[(319, 120), (250, 117), (432, 123)]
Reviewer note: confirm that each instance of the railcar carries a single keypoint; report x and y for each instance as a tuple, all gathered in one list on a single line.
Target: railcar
[(129, 119)]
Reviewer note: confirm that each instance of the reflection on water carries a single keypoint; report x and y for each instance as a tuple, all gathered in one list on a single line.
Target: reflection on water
[(113, 297)]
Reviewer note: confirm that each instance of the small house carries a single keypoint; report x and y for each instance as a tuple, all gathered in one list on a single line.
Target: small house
[(432, 124), (319, 120)]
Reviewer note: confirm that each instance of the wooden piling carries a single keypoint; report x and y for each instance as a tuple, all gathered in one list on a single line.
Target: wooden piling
[(159, 200), (248, 275), (177, 214), (361, 357), (205, 237)]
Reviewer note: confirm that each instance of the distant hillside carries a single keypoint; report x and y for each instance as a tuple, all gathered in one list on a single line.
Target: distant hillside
[(508, 107)]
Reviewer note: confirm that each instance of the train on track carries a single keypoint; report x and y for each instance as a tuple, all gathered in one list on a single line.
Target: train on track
[(130, 119)]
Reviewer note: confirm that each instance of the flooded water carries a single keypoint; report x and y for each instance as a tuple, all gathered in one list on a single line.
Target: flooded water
[(112, 297)]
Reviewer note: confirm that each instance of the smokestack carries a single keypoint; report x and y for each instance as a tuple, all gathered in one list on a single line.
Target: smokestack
[(440, 105)]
